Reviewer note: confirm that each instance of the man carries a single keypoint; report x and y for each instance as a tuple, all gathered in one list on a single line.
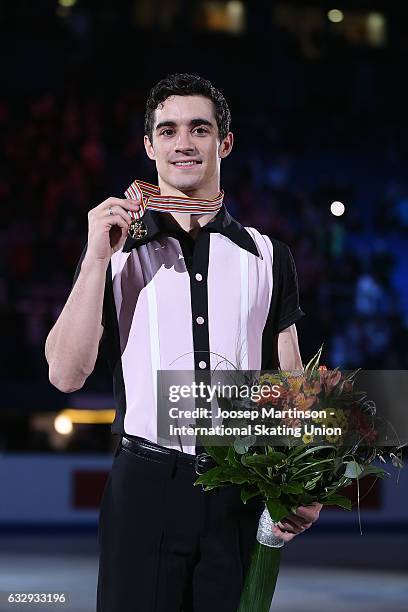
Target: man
[(190, 289)]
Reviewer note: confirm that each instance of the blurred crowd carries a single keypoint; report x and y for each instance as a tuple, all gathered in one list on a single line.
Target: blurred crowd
[(63, 156)]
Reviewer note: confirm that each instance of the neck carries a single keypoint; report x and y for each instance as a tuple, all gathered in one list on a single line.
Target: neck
[(190, 223), (205, 192)]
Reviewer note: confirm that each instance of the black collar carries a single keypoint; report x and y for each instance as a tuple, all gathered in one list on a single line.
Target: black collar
[(222, 223)]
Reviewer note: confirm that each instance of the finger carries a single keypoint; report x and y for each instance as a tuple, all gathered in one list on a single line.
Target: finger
[(123, 202), (299, 520), (303, 525), (126, 205), (308, 513), (131, 203), (286, 525), (286, 537), (117, 210), (295, 520), (316, 505), (290, 527), (118, 220)]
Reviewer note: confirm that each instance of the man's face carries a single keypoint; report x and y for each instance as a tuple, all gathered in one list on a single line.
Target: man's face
[(186, 145)]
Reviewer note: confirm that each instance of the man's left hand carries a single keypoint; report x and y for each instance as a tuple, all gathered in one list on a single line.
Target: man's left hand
[(293, 524)]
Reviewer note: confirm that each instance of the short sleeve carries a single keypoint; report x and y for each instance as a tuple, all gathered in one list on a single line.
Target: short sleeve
[(287, 309)]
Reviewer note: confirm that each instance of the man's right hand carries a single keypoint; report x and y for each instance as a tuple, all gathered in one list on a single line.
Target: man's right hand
[(107, 233)]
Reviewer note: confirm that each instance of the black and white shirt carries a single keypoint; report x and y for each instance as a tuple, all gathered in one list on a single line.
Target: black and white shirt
[(174, 302)]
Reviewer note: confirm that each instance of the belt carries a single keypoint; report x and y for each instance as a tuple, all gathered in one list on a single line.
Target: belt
[(145, 448)]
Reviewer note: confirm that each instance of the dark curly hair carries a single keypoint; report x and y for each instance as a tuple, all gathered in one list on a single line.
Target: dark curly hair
[(183, 84)]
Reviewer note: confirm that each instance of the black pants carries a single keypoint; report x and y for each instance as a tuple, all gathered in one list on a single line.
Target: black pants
[(167, 546)]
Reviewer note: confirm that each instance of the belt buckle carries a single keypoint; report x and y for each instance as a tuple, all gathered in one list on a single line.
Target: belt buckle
[(199, 461)]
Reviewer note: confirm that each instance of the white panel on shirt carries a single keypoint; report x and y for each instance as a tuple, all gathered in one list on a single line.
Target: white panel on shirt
[(151, 288)]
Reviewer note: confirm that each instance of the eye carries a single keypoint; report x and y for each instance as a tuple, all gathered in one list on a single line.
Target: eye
[(167, 132), (201, 130)]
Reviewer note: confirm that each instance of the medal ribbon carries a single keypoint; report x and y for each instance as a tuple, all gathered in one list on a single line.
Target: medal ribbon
[(150, 197)]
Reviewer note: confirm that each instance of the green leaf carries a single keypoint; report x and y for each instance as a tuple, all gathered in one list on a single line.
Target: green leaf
[(247, 492), (241, 478), (337, 463), (259, 471), (277, 456), (353, 469), (375, 471), (269, 489), (232, 458), (306, 499), (211, 477), (312, 468), (313, 449), (242, 445), (313, 364), (218, 453), (215, 486), (225, 474), (339, 484), (263, 460), (297, 448), (337, 500), (277, 510), (260, 580), (292, 487), (310, 484)]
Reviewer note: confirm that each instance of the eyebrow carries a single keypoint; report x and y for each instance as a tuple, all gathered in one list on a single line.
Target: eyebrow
[(193, 122)]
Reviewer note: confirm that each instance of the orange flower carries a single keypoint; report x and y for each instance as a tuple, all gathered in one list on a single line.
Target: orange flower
[(311, 387), (295, 383), (329, 378), (303, 402)]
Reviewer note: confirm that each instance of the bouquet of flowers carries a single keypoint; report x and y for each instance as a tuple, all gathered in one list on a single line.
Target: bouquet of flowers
[(337, 447)]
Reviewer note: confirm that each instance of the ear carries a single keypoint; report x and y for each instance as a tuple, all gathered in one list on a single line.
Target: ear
[(226, 145), (149, 148)]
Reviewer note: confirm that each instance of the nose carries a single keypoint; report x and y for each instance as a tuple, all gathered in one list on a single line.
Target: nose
[(184, 142)]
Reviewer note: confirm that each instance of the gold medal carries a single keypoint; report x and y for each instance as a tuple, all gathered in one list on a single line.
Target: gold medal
[(137, 229)]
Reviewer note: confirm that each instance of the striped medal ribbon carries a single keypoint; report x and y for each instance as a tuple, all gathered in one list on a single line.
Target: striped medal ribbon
[(150, 197)]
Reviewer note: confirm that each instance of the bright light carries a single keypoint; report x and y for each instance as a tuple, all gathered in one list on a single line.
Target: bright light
[(235, 16), (89, 417), (335, 16), (235, 9), (337, 209), (66, 3), (376, 29), (63, 425)]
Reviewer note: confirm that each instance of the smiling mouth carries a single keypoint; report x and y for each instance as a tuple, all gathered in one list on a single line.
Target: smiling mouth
[(186, 164)]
